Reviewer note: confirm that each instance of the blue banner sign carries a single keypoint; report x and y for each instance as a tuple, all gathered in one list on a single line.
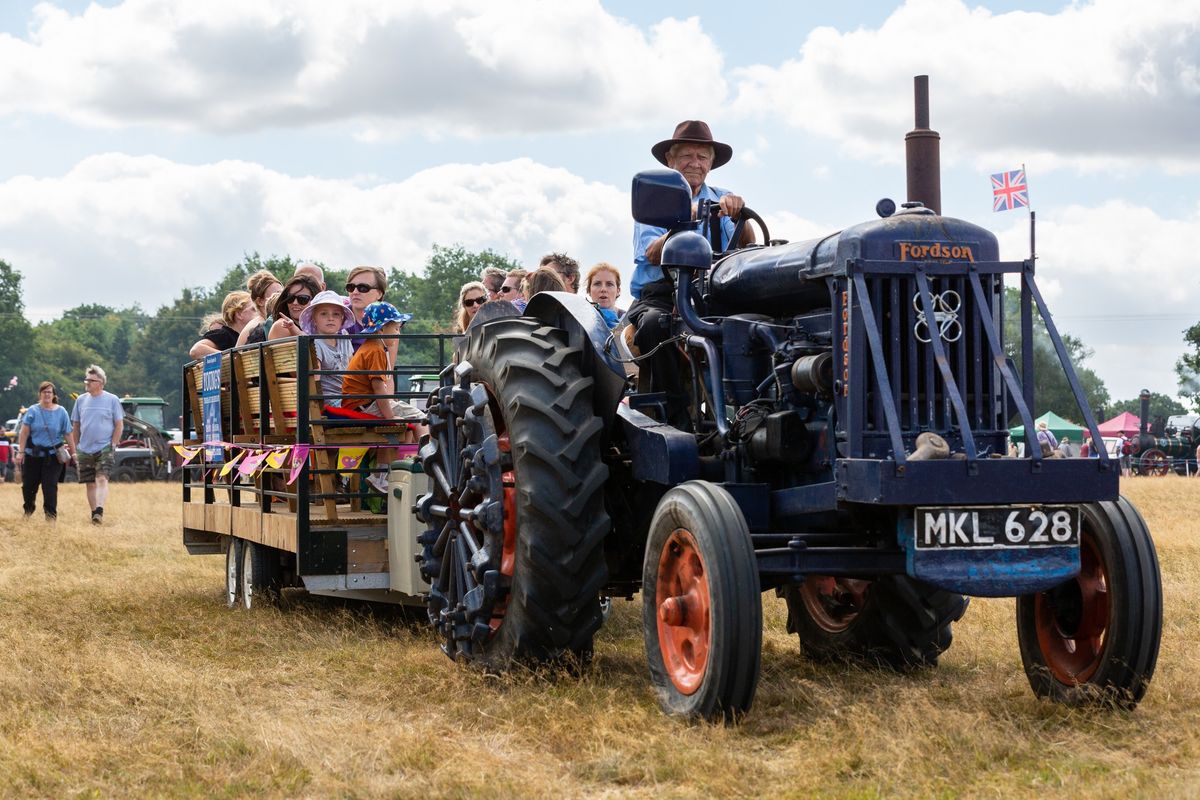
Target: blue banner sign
[(210, 401)]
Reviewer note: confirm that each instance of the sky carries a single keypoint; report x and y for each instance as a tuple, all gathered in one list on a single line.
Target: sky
[(148, 145)]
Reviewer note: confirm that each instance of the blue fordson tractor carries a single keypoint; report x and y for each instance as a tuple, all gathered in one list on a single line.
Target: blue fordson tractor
[(850, 399)]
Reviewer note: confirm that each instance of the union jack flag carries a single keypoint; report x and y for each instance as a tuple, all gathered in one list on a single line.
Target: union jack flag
[(1009, 190)]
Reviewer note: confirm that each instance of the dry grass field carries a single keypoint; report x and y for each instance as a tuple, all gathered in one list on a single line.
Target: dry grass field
[(122, 674)]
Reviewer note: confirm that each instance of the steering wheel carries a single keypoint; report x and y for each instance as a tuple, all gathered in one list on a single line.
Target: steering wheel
[(740, 226)]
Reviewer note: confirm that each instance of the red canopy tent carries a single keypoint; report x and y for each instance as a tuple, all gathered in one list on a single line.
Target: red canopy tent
[(1121, 422)]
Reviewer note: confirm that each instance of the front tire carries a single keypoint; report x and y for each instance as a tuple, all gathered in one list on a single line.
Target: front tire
[(514, 550), (894, 621), (701, 605), (1094, 640)]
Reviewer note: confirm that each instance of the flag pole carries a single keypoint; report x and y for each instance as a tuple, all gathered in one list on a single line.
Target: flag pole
[(1032, 219)]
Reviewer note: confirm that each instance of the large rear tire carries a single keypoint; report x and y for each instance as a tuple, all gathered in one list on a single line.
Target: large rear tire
[(1094, 640), (894, 621), (514, 550), (701, 605)]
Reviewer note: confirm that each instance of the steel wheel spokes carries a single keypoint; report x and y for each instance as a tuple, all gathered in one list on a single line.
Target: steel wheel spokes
[(465, 544)]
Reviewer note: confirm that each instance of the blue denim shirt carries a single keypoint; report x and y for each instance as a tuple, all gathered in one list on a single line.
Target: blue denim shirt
[(643, 271)]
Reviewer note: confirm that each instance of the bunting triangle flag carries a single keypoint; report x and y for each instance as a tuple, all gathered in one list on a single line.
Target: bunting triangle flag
[(251, 463), (277, 458), (299, 457), (230, 463), (350, 457), (187, 453)]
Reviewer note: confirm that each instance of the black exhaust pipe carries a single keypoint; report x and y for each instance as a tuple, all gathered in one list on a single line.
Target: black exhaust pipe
[(922, 148)]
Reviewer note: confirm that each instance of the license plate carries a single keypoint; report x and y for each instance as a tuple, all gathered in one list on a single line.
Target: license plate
[(996, 527)]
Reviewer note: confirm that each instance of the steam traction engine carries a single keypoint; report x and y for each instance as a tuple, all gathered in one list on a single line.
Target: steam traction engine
[(849, 405), (1174, 449)]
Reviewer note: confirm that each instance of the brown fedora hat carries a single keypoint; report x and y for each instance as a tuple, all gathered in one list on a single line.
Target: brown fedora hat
[(693, 131)]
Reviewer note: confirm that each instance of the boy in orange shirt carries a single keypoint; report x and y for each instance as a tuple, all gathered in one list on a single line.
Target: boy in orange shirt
[(375, 360)]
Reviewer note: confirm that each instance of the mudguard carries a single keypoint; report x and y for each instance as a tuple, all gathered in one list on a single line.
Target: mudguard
[(580, 319)]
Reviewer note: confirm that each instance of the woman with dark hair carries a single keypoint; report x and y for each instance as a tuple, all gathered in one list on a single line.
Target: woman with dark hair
[(44, 428), (297, 293)]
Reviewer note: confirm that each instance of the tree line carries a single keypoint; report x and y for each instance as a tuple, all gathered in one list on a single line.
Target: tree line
[(142, 352)]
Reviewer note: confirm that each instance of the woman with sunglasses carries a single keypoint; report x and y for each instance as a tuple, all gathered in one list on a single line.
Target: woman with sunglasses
[(364, 286), (43, 428), (297, 293), (236, 312), (471, 298)]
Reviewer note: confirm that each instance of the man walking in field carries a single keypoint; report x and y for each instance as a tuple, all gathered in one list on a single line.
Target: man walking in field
[(97, 421)]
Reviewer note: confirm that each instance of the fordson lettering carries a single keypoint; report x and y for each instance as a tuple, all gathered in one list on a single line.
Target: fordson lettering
[(912, 251)]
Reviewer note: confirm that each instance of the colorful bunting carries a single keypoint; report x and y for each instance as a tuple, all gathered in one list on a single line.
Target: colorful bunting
[(350, 457), (230, 463), (251, 463), (299, 457)]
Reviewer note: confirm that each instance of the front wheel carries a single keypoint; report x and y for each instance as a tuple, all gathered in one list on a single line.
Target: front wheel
[(1093, 640), (701, 605)]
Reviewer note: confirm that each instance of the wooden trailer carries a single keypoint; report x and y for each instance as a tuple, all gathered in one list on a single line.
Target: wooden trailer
[(305, 516)]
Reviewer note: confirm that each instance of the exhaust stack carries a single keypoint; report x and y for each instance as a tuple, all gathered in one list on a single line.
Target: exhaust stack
[(923, 153)]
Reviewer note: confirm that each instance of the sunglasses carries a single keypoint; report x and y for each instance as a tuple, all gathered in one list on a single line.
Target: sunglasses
[(475, 301), (302, 299), (361, 288), (507, 289)]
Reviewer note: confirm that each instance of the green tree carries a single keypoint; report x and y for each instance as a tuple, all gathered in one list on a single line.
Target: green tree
[(446, 270), (281, 267), (1161, 405), (1051, 390), (16, 338), (157, 356), (1187, 368)]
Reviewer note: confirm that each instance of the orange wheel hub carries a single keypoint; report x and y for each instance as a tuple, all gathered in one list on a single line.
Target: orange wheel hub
[(684, 611), (1072, 620)]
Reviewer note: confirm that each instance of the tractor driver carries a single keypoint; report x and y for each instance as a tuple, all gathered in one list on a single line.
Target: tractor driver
[(692, 152)]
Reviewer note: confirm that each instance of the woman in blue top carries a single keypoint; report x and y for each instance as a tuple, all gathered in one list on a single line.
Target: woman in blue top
[(43, 428)]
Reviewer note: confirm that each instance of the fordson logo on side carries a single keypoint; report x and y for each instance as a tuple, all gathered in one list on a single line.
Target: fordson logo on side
[(935, 251)]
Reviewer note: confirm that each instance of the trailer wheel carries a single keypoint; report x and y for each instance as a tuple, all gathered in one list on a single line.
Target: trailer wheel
[(1094, 640), (894, 621), (514, 550), (233, 561), (701, 605), (260, 575)]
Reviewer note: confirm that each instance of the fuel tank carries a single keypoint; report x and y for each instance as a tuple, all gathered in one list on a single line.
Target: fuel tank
[(788, 279)]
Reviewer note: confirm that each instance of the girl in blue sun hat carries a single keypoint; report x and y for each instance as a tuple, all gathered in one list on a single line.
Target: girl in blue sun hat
[(375, 359)]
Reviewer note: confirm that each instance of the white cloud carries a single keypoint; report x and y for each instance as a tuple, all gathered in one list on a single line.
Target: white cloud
[(460, 67), (1097, 84), (118, 229), (1122, 279)]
